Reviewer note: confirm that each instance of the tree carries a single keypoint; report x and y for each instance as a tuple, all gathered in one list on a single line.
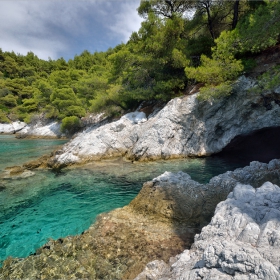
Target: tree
[(255, 32), (165, 8)]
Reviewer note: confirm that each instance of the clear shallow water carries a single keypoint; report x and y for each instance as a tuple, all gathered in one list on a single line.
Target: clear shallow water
[(17, 151), (49, 205)]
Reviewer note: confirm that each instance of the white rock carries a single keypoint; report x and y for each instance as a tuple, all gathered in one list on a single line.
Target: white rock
[(11, 127), (43, 130), (241, 242), (184, 127)]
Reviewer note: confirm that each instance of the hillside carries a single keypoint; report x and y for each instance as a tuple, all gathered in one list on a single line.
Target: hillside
[(169, 54)]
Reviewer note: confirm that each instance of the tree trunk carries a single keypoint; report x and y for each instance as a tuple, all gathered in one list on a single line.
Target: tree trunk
[(210, 24), (235, 13)]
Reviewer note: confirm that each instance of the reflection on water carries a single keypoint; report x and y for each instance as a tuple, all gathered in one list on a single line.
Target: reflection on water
[(50, 205)]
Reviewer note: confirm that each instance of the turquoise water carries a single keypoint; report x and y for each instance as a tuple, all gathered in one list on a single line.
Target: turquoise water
[(49, 205), (17, 151)]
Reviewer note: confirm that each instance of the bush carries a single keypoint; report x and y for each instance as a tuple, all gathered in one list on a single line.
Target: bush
[(3, 117), (70, 124)]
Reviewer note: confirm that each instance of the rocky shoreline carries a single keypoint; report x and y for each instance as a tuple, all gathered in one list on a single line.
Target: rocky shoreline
[(184, 127), (38, 130), (158, 224), (242, 241), (169, 211)]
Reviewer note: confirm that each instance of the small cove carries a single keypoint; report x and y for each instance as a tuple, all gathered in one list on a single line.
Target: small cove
[(50, 205)]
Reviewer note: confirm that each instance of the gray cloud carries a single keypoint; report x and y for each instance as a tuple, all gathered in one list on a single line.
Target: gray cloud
[(52, 28)]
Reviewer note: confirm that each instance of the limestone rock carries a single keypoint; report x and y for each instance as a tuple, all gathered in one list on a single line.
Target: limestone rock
[(184, 127), (41, 130), (177, 197), (242, 240), (97, 142), (11, 128)]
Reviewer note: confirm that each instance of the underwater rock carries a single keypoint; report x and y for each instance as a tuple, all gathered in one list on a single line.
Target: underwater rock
[(2, 187), (16, 172)]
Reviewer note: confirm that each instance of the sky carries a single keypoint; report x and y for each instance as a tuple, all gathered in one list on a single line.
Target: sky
[(64, 28)]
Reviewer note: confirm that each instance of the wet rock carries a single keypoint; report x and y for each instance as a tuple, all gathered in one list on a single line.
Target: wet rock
[(15, 170), (37, 163)]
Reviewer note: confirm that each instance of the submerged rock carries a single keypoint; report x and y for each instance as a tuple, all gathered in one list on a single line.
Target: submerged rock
[(184, 127), (158, 224), (16, 172), (242, 241)]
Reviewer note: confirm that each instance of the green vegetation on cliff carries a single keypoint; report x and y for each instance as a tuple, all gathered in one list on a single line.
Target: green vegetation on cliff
[(178, 44)]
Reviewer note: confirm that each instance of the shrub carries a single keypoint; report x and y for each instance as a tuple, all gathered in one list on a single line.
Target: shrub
[(70, 124)]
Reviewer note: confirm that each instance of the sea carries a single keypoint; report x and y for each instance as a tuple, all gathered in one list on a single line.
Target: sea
[(51, 205)]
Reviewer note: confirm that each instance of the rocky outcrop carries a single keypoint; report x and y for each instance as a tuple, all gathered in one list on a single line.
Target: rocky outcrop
[(158, 224), (11, 128), (178, 197), (184, 127), (242, 241), (41, 130), (101, 141)]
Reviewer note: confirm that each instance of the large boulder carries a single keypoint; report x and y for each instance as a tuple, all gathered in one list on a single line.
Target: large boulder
[(184, 127), (41, 130), (242, 241), (11, 128)]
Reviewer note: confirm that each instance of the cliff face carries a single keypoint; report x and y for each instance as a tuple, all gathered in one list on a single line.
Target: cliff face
[(184, 127), (161, 222)]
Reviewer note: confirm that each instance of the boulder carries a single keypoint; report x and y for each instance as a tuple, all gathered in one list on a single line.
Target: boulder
[(41, 130), (242, 241), (11, 128)]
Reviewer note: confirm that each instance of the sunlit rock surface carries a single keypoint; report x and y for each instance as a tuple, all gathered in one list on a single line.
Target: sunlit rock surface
[(12, 127), (161, 222), (44, 130), (184, 127), (242, 241)]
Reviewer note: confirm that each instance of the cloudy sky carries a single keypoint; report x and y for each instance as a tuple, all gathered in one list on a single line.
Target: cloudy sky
[(63, 28)]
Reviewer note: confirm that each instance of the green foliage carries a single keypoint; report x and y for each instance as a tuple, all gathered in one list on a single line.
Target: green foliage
[(257, 31), (248, 64), (157, 62), (3, 117), (214, 92), (29, 105), (70, 124), (215, 71), (268, 81), (9, 100)]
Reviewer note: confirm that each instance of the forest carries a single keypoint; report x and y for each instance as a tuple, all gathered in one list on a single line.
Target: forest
[(180, 43)]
